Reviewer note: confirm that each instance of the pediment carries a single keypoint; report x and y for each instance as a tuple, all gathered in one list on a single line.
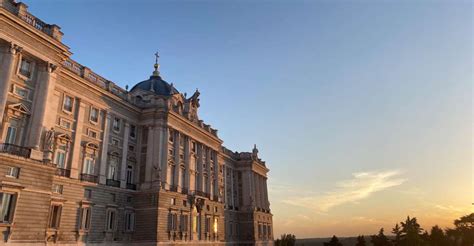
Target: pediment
[(20, 107)]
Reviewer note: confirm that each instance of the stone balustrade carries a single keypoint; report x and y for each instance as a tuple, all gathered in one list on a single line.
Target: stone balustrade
[(21, 10)]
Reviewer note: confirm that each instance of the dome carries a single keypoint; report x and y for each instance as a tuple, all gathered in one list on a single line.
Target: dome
[(156, 85)]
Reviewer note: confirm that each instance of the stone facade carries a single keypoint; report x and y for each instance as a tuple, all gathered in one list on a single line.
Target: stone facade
[(83, 161)]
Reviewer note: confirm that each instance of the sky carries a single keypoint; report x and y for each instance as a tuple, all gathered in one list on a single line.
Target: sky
[(362, 110)]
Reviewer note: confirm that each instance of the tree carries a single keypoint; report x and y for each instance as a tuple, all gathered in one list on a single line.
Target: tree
[(398, 233), (437, 237), (411, 233), (463, 233), (286, 240), (380, 239), (360, 241), (333, 242)]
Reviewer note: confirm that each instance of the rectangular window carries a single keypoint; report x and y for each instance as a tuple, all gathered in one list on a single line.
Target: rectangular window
[(26, 68), (129, 174), (68, 103), (85, 218), (11, 135), (112, 172), (133, 131), (172, 222), (55, 216), (184, 222), (57, 189), (7, 202), (13, 172), (92, 133), (88, 166), (60, 159), (115, 142), (65, 123), (129, 221), (87, 194), (21, 92), (94, 115), (116, 124), (207, 225), (110, 225), (194, 147)]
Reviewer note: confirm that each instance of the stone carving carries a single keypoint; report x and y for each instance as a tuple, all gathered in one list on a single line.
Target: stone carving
[(49, 140)]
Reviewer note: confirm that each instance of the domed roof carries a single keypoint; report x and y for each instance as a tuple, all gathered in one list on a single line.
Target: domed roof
[(156, 85)]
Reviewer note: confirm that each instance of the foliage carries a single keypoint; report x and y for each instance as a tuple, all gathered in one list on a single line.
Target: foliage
[(411, 233), (380, 239), (333, 242), (360, 241), (398, 234), (286, 240)]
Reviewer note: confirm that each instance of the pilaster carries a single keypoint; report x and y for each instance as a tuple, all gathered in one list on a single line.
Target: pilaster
[(43, 96), (76, 152), (6, 66), (105, 148), (123, 166)]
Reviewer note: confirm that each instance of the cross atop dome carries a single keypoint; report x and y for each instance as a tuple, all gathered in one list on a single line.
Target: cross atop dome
[(157, 66)]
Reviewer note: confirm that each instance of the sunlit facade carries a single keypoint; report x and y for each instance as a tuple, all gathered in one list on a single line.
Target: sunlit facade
[(87, 162)]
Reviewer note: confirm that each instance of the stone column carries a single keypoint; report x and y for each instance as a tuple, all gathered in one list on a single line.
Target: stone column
[(6, 66), (76, 161), (232, 187), (105, 148), (161, 136), (123, 167), (267, 202), (44, 93), (149, 170)]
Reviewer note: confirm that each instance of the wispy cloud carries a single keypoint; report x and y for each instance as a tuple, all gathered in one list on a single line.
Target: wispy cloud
[(361, 186)]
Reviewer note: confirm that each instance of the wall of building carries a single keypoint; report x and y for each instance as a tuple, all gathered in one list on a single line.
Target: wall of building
[(98, 166)]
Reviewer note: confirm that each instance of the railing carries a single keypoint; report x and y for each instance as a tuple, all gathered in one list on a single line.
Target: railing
[(21, 10), (131, 186), (174, 188), (89, 177), (15, 150), (111, 182), (216, 198), (184, 191), (202, 193), (63, 172)]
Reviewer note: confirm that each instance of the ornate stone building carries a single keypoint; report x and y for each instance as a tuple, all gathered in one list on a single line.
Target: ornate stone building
[(83, 161)]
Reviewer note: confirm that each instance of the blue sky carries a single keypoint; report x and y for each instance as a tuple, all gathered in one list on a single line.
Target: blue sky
[(362, 109)]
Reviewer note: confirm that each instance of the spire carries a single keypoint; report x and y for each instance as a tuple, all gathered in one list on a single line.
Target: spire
[(157, 66)]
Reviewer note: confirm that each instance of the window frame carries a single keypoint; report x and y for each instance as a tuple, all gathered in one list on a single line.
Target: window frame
[(85, 219), (29, 76), (116, 127), (11, 207), (92, 108), (15, 175), (55, 223), (65, 95), (111, 225), (129, 222)]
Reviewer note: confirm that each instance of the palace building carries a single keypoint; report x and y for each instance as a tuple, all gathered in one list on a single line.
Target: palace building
[(86, 162)]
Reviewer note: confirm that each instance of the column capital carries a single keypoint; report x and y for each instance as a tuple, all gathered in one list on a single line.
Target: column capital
[(51, 68), (14, 49)]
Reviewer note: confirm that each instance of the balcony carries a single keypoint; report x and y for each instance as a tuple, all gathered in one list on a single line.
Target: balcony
[(63, 172), (131, 186), (174, 188), (113, 183), (184, 191), (202, 193), (88, 177), (15, 150), (215, 198)]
